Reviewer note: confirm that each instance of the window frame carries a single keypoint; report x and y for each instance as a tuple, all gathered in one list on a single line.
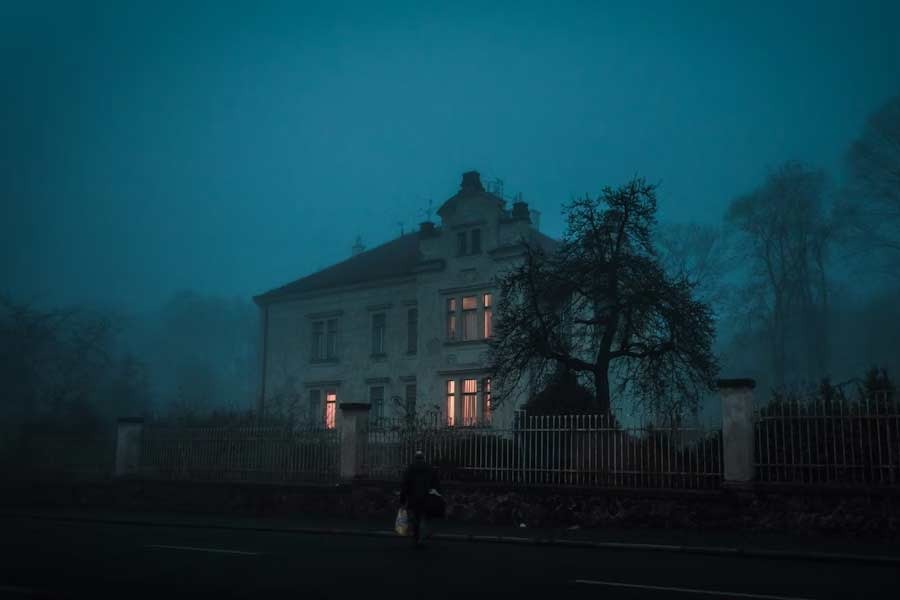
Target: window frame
[(376, 404), (379, 334), (412, 330)]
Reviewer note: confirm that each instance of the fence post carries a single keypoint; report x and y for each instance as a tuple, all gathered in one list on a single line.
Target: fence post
[(737, 431), (129, 436), (354, 438)]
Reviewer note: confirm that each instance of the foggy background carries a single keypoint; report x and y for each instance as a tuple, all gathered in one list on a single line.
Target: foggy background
[(160, 165)]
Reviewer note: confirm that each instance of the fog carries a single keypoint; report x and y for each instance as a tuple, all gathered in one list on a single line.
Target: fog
[(161, 165)]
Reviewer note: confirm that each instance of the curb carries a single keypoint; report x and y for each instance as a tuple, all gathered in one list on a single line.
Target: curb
[(498, 539)]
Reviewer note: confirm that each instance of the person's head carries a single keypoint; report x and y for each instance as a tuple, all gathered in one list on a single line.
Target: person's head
[(419, 457)]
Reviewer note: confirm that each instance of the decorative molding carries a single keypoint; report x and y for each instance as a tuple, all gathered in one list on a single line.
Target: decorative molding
[(485, 287), (473, 370), (407, 378), (411, 303), (467, 224), (377, 307), (322, 384), (325, 315), (377, 380)]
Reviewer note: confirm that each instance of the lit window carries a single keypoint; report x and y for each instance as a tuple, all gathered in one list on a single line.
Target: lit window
[(488, 315), (486, 396), (470, 400), (476, 241), (451, 402), (376, 401), (470, 317), (330, 409), (451, 319), (412, 330), (378, 327)]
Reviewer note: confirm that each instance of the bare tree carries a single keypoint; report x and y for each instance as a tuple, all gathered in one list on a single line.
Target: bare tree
[(785, 234), (602, 305), (870, 205)]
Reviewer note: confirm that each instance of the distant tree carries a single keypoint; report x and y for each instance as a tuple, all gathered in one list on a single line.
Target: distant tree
[(602, 304), (784, 238), (871, 204)]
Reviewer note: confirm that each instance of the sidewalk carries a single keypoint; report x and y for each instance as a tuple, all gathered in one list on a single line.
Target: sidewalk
[(736, 543)]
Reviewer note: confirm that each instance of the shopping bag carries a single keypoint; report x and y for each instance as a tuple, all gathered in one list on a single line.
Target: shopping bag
[(401, 524), (435, 505)]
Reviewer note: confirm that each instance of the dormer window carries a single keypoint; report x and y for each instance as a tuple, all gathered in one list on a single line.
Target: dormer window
[(468, 242)]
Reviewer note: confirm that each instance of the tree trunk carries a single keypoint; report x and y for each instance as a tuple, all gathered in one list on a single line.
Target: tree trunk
[(601, 388)]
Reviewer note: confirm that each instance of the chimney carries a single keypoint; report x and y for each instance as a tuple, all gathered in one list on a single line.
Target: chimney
[(358, 247), (520, 211), (471, 183), (536, 218)]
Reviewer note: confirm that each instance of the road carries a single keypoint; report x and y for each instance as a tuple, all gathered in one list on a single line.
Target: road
[(45, 558)]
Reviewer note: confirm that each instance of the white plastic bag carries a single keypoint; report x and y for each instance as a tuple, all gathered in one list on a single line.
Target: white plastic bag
[(401, 525)]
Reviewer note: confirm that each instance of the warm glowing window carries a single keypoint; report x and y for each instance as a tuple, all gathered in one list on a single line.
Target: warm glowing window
[(486, 396), (451, 402), (451, 319), (330, 409), (470, 402), (488, 316), (378, 330), (470, 317)]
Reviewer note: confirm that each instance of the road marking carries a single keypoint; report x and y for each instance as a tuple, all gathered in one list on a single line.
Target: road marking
[(214, 550), (660, 588)]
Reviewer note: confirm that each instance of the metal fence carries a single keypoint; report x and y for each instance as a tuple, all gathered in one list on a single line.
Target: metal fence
[(829, 440), (240, 454), (575, 450)]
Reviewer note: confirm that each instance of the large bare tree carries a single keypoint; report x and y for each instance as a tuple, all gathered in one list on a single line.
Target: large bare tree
[(601, 305), (784, 233)]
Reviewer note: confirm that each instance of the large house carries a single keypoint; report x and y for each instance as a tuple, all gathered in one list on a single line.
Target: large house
[(404, 326)]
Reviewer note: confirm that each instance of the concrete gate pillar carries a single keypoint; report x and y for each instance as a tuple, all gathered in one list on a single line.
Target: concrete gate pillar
[(129, 436), (354, 431), (737, 431)]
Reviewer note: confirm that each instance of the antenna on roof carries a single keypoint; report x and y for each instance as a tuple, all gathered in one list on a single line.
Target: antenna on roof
[(400, 223), (427, 212)]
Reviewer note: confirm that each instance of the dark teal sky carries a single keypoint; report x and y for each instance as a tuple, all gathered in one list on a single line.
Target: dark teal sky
[(231, 148)]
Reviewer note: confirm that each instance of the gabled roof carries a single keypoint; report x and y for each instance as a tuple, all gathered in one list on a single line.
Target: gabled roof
[(393, 259)]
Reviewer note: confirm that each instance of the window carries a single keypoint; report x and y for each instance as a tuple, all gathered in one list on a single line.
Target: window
[(476, 241), (470, 401), (451, 402), (376, 401), (411, 400), (318, 340), (331, 339), (378, 327), (324, 339), (461, 243), (412, 330), (314, 407), (451, 319), (486, 400), (488, 315), (470, 317), (330, 409)]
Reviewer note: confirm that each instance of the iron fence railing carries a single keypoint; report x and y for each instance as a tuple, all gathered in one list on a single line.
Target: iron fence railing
[(240, 453), (565, 450), (829, 440)]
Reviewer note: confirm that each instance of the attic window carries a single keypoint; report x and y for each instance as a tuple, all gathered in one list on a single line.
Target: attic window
[(468, 242)]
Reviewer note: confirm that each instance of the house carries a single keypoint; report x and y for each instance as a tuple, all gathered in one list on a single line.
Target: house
[(403, 327)]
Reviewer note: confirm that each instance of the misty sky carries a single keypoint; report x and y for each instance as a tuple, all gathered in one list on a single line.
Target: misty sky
[(231, 149)]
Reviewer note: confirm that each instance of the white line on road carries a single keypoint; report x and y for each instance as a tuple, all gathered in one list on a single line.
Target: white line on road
[(215, 550), (660, 588)]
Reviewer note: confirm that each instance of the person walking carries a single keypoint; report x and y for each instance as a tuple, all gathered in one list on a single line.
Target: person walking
[(418, 480)]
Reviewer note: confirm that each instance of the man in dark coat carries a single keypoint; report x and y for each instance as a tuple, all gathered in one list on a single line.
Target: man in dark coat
[(418, 479)]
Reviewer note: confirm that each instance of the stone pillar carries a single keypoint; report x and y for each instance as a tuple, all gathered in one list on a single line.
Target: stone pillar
[(354, 431), (129, 435), (737, 431)]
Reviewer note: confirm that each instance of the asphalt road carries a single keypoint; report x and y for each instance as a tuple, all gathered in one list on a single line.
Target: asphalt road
[(61, 559)]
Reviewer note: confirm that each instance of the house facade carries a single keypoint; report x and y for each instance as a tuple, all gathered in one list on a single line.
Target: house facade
[(403, 327)]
